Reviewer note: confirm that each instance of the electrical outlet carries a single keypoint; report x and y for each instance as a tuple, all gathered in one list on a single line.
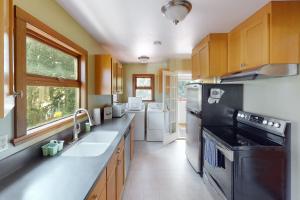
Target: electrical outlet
[(3, 142)]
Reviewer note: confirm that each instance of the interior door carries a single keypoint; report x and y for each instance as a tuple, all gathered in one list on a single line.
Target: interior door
[(170, 80)]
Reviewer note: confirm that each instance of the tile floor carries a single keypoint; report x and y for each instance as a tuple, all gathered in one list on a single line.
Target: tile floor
[(161, 172)]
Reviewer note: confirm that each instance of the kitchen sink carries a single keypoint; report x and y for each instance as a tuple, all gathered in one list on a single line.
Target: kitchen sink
[(92, 145), (86, 149), (101, 136)]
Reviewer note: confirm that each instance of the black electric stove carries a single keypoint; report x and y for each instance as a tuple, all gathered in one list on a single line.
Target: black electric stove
[(251, 158), (241, 136)]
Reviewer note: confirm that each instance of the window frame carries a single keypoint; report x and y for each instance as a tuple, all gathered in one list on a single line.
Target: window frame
[(152, 86), (25, 26)]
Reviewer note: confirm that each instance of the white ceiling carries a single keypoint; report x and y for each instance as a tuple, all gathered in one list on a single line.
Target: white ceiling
[(127, 28)]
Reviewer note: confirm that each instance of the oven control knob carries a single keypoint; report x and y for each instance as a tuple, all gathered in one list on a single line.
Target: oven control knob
[(277, 125), (270, 123), (265, 122)]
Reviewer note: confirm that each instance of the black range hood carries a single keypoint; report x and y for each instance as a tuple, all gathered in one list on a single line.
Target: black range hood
[(266, 71)]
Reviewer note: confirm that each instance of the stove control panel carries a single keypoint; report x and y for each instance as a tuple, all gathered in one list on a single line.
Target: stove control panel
[(276, 126)]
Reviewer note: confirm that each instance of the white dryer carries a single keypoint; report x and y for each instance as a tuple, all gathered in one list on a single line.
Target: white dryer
[(156, 119)]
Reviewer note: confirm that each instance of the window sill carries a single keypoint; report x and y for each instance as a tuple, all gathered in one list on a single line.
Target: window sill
[(54, 127)]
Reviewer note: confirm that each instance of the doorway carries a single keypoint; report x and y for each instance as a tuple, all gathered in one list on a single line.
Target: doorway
[(174, 102), (183, 79)]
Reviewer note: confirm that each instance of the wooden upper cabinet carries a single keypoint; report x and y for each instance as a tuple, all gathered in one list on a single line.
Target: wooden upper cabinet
[(114, 76), (234, 51), (6, 57), (204, 61), (209, 58), (119, 78), (255, 41), (195, 65), (270, 36), (106, 75), (285, 32)]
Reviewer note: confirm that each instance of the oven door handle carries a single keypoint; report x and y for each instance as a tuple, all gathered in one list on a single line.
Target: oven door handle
[(226, 152)]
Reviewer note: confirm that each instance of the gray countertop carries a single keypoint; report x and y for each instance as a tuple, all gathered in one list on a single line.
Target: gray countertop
[(62, 178)]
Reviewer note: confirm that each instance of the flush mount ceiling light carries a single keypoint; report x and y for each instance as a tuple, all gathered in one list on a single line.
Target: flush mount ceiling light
[(157, 43), (143, 59), (176, 10)]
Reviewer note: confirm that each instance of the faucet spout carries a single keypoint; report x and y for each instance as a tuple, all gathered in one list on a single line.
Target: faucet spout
[(76, 129)]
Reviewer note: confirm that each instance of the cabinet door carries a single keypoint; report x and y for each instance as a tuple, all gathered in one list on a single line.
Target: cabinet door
[(204, 61), (111, 192), (99, 191), (195, 66), (120, 78), (103, 75), (102, 195), (114, 76), (256, 42), (120, 174), (6, 57), (234, 51), (132, 140)]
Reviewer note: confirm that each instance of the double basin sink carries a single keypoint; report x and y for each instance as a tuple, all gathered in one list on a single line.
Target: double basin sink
[(92, 145)]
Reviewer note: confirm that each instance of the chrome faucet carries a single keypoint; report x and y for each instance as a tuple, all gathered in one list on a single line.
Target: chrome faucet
[(76, 129)]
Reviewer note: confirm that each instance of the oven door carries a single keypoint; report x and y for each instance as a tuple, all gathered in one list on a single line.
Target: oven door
[(219, 178)]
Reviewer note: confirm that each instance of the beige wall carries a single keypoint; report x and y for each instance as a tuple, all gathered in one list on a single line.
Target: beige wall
[(49, 12), (175, 65), (137, 68), (183, 66), (279, 97)]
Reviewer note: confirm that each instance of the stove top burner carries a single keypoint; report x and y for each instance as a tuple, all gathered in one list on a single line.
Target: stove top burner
[(237, 137), (242, 141)]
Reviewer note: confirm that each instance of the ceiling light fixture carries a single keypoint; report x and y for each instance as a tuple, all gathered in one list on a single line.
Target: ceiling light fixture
[(176, 10), (157, 42), (143, 59)]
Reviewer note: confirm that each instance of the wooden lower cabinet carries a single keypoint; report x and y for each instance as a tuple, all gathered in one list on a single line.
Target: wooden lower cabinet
[(120, 174), (115, 174), (132, 126), (99, 190), (111, 186)]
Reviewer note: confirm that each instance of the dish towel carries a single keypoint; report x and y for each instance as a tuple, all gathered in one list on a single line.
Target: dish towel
[(210, 152)]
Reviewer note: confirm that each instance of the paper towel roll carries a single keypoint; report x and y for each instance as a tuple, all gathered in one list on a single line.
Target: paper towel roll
[(97, 116)]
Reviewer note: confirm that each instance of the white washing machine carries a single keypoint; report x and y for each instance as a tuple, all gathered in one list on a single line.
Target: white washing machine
[(156, 119)]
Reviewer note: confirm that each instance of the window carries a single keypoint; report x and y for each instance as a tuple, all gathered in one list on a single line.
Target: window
[(143, 86), (51, 78)]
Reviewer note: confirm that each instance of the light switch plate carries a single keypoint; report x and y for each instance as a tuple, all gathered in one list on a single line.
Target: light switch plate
[(3, 142)]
